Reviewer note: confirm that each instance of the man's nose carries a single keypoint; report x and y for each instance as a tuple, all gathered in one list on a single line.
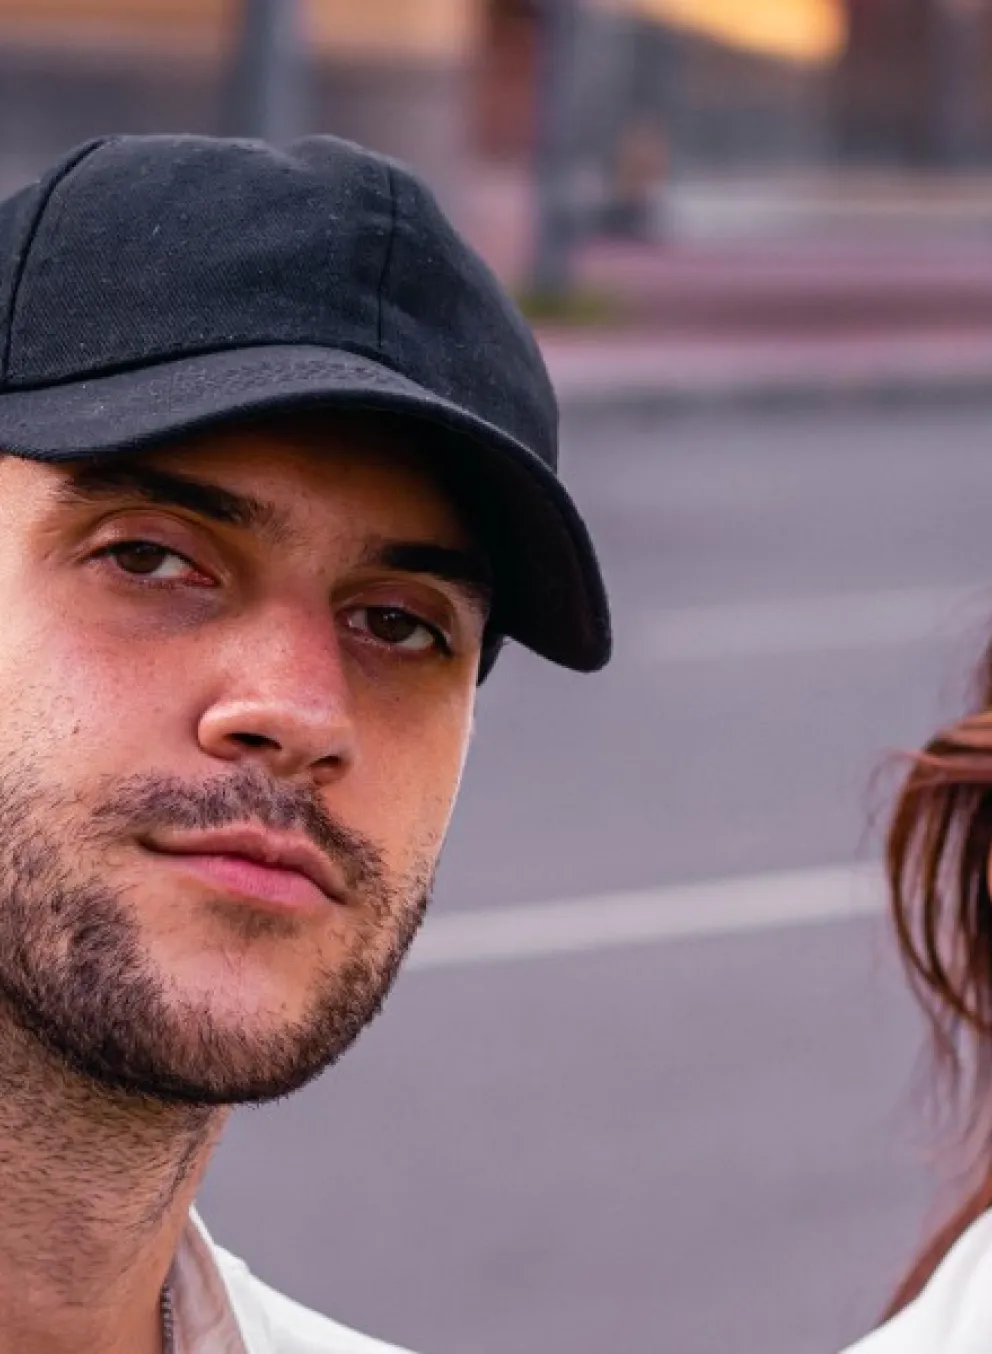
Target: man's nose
[(285, 702)]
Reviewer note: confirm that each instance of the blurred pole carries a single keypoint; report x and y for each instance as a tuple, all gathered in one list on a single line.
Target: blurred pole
[(555, 225), (959, 74), (270, 72)]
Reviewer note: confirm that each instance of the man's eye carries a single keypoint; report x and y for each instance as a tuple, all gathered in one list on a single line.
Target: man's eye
[(145, 559), (398, 628)]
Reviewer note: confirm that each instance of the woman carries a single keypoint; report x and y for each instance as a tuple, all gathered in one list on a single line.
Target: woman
[(939, 861)]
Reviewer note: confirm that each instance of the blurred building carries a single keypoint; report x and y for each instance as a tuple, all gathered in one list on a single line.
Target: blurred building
[(451, 84), (391, 72), (728, 79), (913, 86)]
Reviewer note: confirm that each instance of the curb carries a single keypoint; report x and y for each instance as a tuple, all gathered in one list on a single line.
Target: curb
[(660, 400), (673, 380)]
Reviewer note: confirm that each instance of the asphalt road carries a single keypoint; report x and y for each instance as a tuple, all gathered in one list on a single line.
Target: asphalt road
[(693, 1144)]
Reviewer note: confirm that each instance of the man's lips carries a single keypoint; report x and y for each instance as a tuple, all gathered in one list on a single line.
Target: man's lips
[(274, 868)]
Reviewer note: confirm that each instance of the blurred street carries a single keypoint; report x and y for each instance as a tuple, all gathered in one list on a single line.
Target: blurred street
[(705, 1142)]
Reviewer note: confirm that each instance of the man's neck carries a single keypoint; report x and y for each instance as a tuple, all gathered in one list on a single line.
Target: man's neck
[(95, 1190)]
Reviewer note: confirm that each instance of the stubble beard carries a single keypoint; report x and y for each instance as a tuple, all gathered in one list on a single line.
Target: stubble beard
[(75, 977)]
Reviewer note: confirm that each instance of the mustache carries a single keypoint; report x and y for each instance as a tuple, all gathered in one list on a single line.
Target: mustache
[(150, 802)]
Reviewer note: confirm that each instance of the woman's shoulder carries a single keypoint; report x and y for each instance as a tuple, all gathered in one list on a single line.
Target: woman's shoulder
[(953, 1314)]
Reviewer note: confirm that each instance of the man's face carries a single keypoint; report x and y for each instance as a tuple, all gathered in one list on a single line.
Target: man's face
[(257, 645)]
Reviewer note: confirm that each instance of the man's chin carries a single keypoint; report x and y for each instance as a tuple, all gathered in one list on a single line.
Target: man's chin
[(159, 1017), (236, 1075), (192, 1053)]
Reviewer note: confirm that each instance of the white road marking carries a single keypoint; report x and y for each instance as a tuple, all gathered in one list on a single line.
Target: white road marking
[(719, 907), (824, 624)]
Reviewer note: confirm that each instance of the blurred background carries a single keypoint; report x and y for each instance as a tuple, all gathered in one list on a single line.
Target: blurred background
[(648, 1082)]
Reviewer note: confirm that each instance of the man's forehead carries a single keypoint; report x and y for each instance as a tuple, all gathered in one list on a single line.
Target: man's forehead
[(269, 467), (293, 440)]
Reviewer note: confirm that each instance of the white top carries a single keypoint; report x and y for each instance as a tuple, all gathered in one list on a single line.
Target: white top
[(953, 1314), (221, 1308)]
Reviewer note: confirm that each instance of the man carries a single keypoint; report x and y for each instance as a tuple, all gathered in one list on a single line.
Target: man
[(278, 477)]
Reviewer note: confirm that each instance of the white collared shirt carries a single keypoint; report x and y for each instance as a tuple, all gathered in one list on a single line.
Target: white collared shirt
[(219, 1307), (953, 1314)]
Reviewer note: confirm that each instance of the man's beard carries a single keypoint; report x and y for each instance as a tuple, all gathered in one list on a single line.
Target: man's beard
[(73, 973)]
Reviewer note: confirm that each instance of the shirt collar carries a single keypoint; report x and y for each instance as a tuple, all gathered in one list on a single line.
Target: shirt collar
[(208, 1317)]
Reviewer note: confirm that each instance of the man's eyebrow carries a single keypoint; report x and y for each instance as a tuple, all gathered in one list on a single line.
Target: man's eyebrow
[(469, 570), (96, 482)]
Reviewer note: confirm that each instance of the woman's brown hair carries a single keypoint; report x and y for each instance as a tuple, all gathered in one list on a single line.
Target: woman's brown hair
[(937, 862)]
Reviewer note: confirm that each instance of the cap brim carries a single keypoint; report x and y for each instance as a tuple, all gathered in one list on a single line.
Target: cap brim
[(550, 592)]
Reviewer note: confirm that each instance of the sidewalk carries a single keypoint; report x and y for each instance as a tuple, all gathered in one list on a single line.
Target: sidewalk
[(862, 287), (780, 322)]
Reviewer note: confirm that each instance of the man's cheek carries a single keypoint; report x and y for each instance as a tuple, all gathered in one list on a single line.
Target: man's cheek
[(412, 799), (88, 715)]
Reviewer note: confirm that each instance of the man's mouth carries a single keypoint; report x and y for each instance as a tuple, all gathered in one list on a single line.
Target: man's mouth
[(275, 869)]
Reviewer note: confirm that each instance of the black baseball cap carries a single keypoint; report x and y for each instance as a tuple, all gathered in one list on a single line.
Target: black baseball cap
[(152, 287)]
